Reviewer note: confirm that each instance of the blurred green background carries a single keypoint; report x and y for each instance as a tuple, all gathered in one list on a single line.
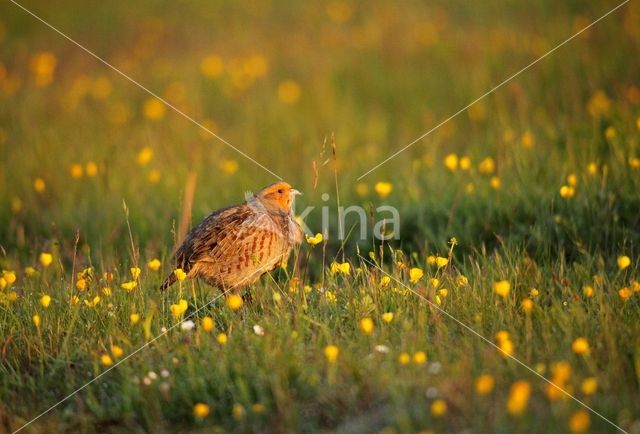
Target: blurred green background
[(277, 79)]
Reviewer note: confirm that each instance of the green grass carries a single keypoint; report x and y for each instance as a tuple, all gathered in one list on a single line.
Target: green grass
[(376, 81)]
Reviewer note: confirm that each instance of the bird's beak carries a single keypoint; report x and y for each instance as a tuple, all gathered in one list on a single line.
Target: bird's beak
[(295, 192)]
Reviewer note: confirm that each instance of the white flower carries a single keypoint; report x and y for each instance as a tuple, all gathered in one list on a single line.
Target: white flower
[(258, 330), (381, 349), (164, 373), (152, 375), (187, 325)]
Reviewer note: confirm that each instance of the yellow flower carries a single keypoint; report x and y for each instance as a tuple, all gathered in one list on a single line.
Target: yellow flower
[(502, 335), (76, 170), (135, 272), (177, 310), (415, 274), (502, 288), (431, 260), (154, 109), (154, 265), (634, 162), (624, 293), (469, 188), (3, 283), (43, 66), (258, 408), (528, 140), (623, 262), (451, 162), (330, 297), (438, 408), (222, 339), (46, 259), (154, 176), (518, 397), (383, 189), (106, 360), (580, 346), (144, 156), (610, 133), (45, 300), (589, 385), (30, 271), (599, 104), (229, 166), (316, 239), (419, 358), (134, 318), (11, 296), (362, 189), (9, 277), (507, 348), (572, 179), (16, 205), (461, 281), (567, 192), (93, 302), (207, 324), (404, 358), (441, 261), (592, 168), (387, 317), (344, 268), (234, 301), (366, 326), (180, 274), (484, 384), (289, 92), (81, 284), (561, 372), (129, 286), (212, 66), (331, 352), (588, 291), (238, 411), (534, 292), (201, 410), (465, 163), (443, 292), (36, 320), (434, 282), (74, 300), (385, 281), (487, 166), (117, 351), (527, 305), (91, 169), (579, 421), (39, 185), (495, 183)]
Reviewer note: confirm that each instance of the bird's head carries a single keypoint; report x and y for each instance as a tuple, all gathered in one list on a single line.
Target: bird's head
[(278, 196)]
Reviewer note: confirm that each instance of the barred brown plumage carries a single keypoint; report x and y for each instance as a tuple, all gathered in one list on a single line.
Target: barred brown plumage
[(234, 246)]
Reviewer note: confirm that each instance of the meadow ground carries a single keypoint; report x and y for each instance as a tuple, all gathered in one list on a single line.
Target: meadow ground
[(519, 218)]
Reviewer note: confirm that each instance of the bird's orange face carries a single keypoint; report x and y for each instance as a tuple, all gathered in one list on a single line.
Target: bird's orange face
[(278, 196)]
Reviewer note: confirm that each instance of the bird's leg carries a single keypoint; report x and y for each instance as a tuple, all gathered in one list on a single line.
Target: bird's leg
[(247, 296)]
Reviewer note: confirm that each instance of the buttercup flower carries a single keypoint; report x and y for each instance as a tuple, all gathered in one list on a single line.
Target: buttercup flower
[(415, 274), (331, 352)]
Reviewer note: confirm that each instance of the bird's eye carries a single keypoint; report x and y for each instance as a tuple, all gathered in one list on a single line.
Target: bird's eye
[(280, 191)]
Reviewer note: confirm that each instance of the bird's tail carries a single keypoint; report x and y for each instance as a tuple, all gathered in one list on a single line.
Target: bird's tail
[(170, 280)]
